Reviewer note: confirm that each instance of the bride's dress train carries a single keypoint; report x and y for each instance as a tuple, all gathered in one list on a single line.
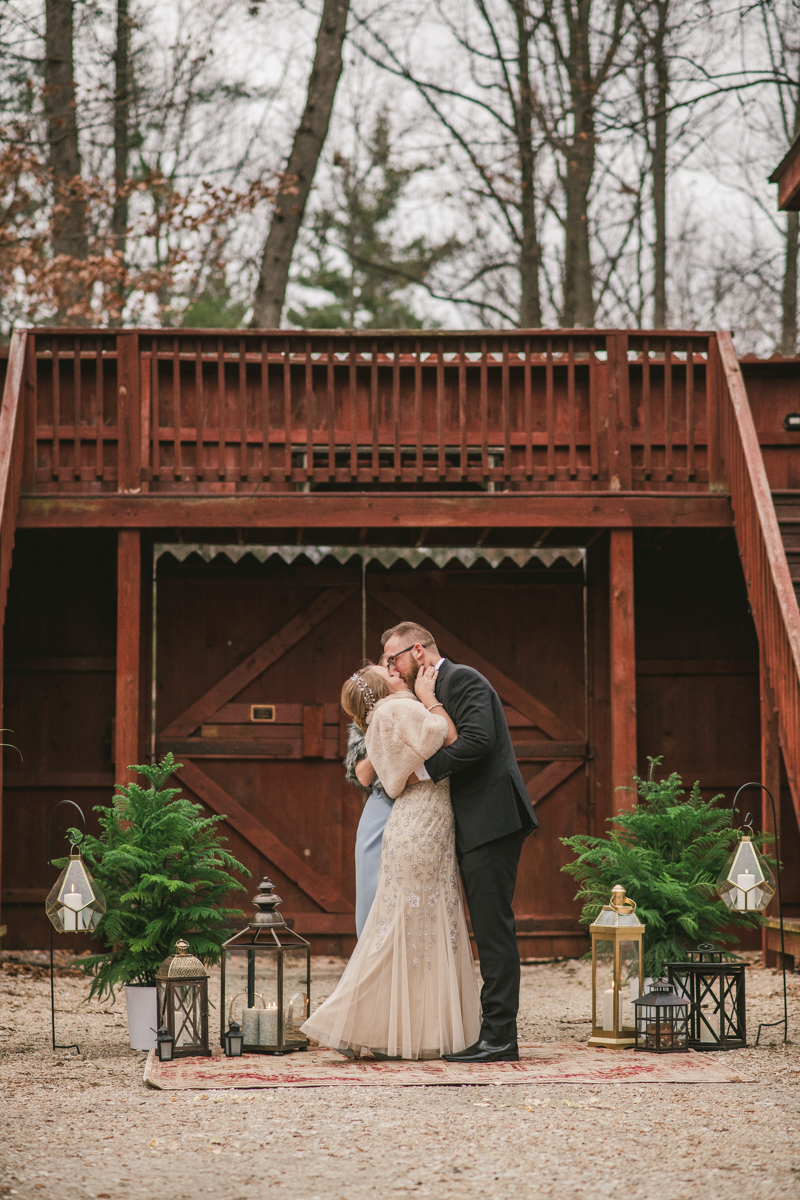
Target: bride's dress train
[(409, 990)]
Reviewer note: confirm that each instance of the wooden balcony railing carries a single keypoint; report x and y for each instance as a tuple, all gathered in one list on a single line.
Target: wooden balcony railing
[(11, 456), (188, 411), (769, 585)]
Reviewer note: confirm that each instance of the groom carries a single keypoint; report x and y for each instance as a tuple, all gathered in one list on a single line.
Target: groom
[(493, 816)]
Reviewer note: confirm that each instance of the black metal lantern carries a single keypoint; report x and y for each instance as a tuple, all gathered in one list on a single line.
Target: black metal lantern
[(165, 1044), (662, 1020), (234, 1040), (266, 970), (715, 991), (182, 997)]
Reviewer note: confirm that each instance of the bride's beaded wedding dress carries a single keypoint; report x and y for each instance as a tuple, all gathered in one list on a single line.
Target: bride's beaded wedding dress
[(409, 990)]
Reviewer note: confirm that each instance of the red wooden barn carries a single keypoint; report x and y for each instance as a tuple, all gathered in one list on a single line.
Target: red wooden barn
[(201, 531)]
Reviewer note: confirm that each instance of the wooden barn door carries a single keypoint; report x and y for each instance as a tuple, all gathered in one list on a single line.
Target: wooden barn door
[(250, 666)]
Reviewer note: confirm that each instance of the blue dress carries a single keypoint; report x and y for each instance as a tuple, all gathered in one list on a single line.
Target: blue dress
[(370, 828)]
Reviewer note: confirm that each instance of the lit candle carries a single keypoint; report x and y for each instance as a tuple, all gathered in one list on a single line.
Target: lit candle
[(73, 918), (709, 1026), (268, 1026), (250, 1026), (608, 1008), (744, 882)]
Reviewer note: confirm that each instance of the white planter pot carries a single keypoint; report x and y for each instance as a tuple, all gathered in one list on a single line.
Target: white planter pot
[(142, 1016)]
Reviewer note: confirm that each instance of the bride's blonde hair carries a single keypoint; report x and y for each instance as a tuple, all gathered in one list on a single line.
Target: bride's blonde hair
[(361, 692)]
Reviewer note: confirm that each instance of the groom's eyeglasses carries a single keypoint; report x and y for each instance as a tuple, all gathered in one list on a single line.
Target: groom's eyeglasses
[(391, 660)]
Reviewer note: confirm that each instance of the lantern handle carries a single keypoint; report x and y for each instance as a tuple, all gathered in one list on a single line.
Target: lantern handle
[(784, 1021), (236, 997), (55, 807)]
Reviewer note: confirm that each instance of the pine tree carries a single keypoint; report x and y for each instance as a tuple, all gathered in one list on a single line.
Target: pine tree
[(165, 876), (359, 259), (667, 853)]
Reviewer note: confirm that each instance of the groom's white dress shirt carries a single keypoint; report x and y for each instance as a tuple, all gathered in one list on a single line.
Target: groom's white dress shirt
[(422, 772)]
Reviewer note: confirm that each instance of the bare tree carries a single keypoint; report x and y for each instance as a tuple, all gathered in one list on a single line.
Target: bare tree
[(122, 87), (301, 166), (60, 103)]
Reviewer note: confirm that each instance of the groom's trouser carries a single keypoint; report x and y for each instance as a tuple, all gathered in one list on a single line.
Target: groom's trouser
[(489, 873)]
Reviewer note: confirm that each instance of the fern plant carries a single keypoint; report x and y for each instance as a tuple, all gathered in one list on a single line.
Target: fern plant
[(667, 853), (165, 875)]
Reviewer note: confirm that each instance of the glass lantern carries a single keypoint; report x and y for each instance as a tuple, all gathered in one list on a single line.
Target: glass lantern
[(746, 883), (75, 903), (165, 1044), (662, 1020), (715, 991), (266, 980), (182, 999), (234, 1040), (617, 971)]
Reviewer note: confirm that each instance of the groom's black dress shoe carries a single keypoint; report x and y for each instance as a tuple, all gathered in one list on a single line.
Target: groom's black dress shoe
[(485, 1052)]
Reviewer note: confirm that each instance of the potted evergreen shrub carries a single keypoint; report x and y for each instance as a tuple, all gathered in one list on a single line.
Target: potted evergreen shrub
[(165, 875), (667, 853)]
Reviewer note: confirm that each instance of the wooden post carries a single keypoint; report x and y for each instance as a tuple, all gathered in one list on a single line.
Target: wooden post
[(126, 737), (623, 669), (129, 414), (770, 771)]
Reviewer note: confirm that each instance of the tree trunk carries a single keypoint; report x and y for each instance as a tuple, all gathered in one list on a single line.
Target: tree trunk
[(306, 150), (578, 289), (661, 64), (530, 255), (788, 344), (119, 216), (70, 236)]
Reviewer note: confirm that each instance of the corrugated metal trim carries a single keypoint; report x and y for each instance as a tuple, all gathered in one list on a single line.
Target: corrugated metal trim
[(415, 556)]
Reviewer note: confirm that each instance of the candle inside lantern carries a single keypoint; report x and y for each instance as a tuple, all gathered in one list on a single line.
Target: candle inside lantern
[(709, 1024), (744, 882), (268, 1026), (73, 918), (250, 1026), (608, 1008)]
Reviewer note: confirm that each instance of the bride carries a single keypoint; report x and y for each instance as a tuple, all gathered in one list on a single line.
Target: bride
[(409, 989)]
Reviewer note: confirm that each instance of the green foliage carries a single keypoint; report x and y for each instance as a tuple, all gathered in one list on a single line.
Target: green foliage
[(214, 308), (165, 876), (667, 853), (359, 259)]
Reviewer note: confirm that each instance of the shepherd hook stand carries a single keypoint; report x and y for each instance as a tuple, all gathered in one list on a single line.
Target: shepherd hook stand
[(49, 885), (784, 1021)]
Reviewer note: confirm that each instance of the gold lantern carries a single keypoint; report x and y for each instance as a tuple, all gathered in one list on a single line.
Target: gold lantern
[(75, 903), (182, 996), (617, 971), (746, 883)]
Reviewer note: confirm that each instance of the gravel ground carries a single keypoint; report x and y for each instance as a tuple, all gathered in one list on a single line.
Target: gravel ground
[(76, 1126)]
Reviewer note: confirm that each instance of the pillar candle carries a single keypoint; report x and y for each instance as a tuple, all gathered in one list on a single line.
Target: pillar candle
[(608, 1008), (744, 883), (706, 1034), (268, 1026), (73, 919), (250, 1026)]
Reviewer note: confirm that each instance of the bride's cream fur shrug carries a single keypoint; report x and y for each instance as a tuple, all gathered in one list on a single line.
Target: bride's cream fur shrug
[(401, 734)]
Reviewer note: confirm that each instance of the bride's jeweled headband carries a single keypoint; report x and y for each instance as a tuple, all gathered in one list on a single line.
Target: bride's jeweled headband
[(366, 690)]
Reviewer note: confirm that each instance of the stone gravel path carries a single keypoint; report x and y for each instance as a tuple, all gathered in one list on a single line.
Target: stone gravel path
[(78, 1126)]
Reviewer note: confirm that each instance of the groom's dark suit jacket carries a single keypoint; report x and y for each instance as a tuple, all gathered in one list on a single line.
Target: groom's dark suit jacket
[(488, 794)]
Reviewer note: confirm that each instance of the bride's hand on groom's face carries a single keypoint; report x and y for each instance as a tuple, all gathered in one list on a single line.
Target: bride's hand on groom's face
[(424, 685)]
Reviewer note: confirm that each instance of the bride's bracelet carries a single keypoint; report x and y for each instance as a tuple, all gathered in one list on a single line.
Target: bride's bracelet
[(438, 704)]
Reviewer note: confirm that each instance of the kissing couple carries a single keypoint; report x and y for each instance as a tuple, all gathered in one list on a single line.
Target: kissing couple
[(437, 741)]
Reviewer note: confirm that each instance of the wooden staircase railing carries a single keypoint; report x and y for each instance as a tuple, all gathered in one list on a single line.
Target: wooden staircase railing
[(769, 585), (11, 453)]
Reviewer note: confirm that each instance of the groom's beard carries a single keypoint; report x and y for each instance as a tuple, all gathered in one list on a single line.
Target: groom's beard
[(410, 674)]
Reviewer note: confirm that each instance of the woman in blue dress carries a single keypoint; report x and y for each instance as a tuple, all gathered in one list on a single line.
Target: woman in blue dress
[(369, 836)]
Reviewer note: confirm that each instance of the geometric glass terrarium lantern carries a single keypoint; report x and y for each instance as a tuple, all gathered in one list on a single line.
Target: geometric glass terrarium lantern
[(715, 991), (182, 999), (75, 903), (617, 971), (746, 883), (662, 1020), (266, 980)]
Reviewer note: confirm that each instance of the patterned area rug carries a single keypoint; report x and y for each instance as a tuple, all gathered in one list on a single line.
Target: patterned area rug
[(553, 1063)]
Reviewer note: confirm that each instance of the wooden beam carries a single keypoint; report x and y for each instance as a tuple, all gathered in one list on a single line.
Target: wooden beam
[(129, 414), (549, 779), (256, 663), (129, 587), (623, 669), (321, 890), (380, 510), (787, 177), (770, 769), (536, 712)]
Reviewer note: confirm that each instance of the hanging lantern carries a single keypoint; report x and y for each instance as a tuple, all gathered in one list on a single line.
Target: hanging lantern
[(266, 969), (165, 1044), (234, 1040), (617, 971), (182, 999), (746, 883), (75, 903), (715, 991), (662, 1020)]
